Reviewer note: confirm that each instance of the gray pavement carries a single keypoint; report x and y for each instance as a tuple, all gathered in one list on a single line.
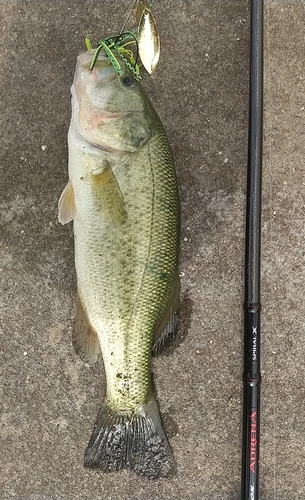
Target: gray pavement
[(49, 398)]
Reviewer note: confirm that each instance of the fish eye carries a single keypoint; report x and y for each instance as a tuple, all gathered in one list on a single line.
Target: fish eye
[(128, 81)]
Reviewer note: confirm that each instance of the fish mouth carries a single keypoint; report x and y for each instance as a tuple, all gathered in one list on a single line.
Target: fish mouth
[(103, 70), (85, 58)]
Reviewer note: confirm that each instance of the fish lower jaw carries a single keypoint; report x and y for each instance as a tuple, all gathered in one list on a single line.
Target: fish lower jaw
[(86, 142), (77, 137)]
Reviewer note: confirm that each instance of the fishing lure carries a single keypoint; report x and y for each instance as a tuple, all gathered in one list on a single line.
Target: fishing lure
[(149, 39), (118, 44), (146, 42)]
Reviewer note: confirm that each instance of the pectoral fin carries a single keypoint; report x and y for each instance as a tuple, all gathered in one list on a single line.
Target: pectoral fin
[(166, 330), (84, 338), (109, 198), (66, 206)]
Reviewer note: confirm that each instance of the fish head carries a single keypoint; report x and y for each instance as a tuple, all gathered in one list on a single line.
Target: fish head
[(110, 110)]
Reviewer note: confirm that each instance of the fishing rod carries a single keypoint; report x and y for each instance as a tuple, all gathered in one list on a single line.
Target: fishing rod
[(252, 375)]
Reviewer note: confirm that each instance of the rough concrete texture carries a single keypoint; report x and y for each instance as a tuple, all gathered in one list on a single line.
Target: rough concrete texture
[(49, 399)]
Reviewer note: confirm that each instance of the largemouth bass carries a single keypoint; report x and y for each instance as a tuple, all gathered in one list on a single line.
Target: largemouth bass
[(122, 196)]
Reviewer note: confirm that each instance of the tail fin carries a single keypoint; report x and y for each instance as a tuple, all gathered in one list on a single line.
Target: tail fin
[(136, 441)]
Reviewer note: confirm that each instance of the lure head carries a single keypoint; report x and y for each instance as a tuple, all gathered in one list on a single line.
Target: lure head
[(121, 44)]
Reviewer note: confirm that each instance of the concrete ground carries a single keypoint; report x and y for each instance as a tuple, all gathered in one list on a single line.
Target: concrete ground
[(49, 398)]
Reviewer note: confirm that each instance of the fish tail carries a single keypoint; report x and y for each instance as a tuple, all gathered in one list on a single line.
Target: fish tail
[(137, 441)]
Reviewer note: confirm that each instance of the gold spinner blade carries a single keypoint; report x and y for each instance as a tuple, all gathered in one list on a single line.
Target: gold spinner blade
[(148, 38)]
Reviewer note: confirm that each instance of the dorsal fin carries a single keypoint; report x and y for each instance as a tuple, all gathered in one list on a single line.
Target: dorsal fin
[(166, 329)]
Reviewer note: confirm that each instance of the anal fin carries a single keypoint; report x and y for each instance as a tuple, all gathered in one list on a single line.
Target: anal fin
[(84, 338)]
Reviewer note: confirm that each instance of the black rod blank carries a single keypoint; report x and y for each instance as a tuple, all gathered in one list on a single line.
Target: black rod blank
[(252, 376)]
